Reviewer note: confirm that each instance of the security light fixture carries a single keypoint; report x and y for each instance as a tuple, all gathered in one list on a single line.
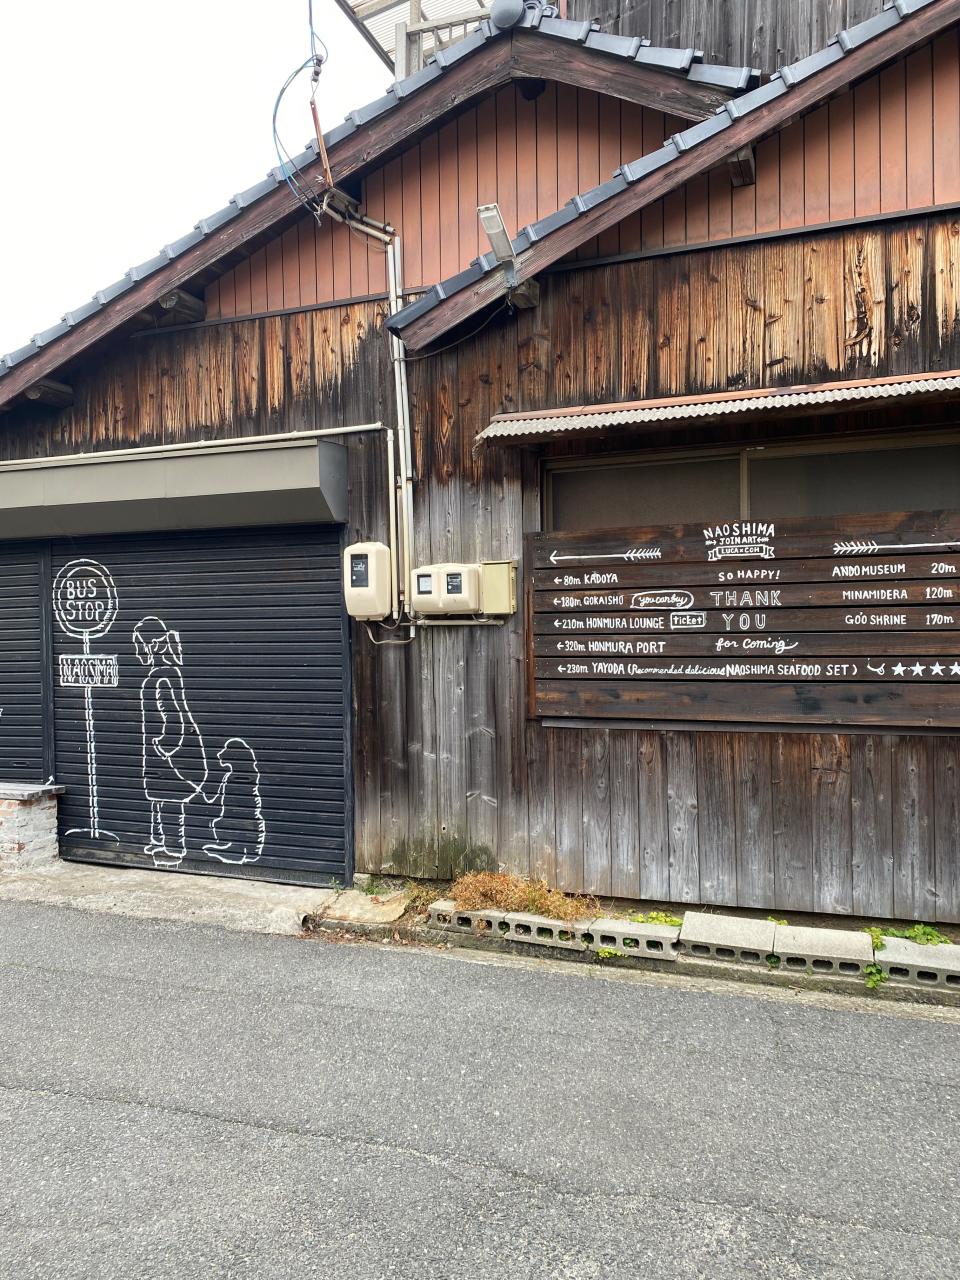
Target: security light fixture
[(491, 219), (526, 294)]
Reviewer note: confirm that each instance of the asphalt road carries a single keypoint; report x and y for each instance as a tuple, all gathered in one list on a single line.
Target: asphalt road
[(182, 1101)]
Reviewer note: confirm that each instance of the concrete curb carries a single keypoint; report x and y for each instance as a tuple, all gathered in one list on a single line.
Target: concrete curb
[(739, 949)]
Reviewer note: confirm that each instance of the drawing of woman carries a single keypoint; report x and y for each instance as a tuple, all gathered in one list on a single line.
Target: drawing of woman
[(174, 758)]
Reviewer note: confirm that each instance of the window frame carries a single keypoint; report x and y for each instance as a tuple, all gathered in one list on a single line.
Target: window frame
[(701, 453)]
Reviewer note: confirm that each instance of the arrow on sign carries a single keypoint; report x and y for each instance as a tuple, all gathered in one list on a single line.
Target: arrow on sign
[(868, 547), (633, 553)]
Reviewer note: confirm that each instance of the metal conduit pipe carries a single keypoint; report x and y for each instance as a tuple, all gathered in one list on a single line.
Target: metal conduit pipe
[(405, 495)]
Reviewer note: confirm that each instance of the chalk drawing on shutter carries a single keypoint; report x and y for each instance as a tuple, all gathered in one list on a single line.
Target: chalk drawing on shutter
[(85, 606), (174, 755), (238, 830)]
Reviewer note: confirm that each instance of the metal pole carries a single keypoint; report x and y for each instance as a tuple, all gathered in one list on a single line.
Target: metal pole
[(91, 749)]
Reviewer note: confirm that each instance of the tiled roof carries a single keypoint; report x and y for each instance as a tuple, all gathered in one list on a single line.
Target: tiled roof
[(539, 17), (780, 83)]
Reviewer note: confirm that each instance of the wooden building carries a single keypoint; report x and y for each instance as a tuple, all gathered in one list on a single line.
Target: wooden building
[(706, 403)]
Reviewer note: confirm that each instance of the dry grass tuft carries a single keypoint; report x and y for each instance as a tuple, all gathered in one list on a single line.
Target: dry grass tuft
[(479, 889), (420, 894)]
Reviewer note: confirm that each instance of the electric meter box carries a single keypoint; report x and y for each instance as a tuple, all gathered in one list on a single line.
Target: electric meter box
[(366, 580), (489, 588), (446, 588)]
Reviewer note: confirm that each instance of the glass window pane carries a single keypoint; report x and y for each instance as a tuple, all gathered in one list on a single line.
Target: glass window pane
[(638, 493), (828, 484)]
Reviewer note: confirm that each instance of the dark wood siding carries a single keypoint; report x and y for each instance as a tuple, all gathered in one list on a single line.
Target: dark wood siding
[(756, 33), (449, 771)]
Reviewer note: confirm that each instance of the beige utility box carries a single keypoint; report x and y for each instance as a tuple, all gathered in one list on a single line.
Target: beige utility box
[(498, 587), (446, 588), (489, 588), (366, 580)]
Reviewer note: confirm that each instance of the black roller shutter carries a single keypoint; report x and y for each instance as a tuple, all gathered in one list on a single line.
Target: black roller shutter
[(216, 698), (21, 666)]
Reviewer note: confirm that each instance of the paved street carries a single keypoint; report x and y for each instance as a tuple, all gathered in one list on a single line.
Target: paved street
[(183, 1101)]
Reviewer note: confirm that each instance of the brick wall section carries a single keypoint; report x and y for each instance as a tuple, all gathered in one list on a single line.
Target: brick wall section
[(28, 832)]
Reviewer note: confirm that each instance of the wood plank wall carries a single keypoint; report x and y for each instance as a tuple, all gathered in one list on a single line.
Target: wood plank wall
[(756, 33), (448, 771), (869, 151), (529, 156)]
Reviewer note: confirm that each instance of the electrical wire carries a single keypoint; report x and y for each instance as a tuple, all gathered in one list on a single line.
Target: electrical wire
[(506, 305), (374, 640), (315, 40), (288, 168)]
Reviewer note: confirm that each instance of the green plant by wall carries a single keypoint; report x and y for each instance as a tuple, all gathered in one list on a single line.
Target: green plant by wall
[(927, 935), (656, 917), (873, 976)]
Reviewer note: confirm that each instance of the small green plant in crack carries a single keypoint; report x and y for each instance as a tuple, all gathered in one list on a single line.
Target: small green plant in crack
[(873, 976), (775, 920), (607, 953), (773, 960), (656, 917), (373, 887)]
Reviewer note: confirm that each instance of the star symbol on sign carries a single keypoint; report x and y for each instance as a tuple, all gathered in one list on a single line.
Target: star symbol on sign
[(917, 669), (936, 669), (899, 669), (955, 668)]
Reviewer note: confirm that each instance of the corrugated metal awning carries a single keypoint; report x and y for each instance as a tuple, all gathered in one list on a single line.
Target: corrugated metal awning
[(559, 423)]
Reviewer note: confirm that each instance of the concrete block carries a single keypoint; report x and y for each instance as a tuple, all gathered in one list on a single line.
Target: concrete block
[(544, 931), (627, 938), (440, 913), (445, 914), (905, 961), (844, 952), (734, 938)]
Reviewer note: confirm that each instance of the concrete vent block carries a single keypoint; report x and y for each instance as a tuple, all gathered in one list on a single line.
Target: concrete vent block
[(641, 941), (733, 938), (476, 921), (934, 966), (842, 953), (542, 931), (487, 923), (440, 913)]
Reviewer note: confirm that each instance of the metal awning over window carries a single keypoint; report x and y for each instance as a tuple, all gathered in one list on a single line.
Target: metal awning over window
[(559, 424), (293, 478)]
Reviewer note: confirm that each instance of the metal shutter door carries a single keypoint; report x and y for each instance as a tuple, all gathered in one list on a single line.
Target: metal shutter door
[(217, 737), (21, 666)]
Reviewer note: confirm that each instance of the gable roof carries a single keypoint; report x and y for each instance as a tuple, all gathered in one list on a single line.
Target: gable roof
[(539, 45), (738, 123)]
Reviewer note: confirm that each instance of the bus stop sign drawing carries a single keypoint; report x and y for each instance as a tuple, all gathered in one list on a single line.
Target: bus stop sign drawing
[(85, 606)]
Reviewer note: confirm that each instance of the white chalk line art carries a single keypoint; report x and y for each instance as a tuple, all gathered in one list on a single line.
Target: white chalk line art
[(85, 605), (174, 756), (867, 547), (634, 553), (239, 831)]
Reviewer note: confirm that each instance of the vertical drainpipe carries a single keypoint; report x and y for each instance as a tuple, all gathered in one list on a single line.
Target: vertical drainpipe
[(405, 491)]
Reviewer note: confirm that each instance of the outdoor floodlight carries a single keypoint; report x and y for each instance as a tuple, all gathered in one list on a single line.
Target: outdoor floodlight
[(491, 219)]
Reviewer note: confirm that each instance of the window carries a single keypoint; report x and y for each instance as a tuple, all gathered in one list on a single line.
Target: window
[(773, 483)]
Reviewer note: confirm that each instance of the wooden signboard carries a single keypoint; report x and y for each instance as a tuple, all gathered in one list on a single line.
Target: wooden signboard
[(838, 621)]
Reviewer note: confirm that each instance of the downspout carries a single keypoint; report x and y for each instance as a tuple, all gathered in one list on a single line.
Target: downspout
[(400, 486), (405, 490)]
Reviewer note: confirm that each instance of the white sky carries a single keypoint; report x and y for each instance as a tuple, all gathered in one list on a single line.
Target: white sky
[(125, 121)]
